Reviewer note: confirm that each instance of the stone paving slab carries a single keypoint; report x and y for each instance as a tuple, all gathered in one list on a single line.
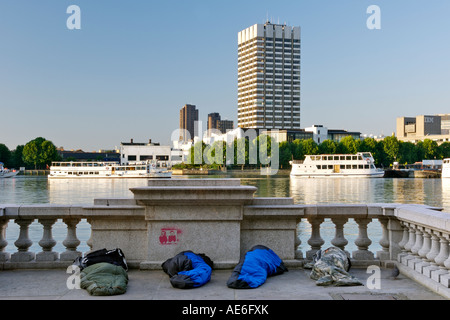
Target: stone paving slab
[(155, 285)]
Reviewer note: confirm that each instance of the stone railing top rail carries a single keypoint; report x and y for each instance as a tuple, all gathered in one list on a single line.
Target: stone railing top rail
[(427, 216)]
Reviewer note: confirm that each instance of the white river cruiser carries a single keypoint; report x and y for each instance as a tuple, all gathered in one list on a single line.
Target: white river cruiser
[(7, 173), (445, 168), (107, 169), (336, 165)]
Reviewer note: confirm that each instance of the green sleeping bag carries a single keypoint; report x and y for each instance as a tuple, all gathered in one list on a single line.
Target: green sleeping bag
[(104, 279)]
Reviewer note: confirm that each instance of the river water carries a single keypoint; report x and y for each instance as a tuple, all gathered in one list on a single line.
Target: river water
[(40, 190)]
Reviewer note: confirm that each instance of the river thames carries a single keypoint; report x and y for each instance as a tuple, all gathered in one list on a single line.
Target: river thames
[(40, 190)]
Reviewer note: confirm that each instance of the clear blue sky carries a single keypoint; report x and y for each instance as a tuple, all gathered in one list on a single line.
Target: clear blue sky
[(134, 64)]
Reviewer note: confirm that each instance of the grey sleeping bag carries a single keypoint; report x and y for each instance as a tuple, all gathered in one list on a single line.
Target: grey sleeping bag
[(330, 267)]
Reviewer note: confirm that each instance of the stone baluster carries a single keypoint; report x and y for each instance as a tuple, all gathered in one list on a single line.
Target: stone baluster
[(363, 242), (316, 242), (384, 241), (445, 279), (339, 238), (23, 243), (432, 254), (71, 242), (426, 247), (418, 243), (4, 256), (89, 241), (298, 242), (447, 261), (404, 241), (441, 258), (47, 242), (412, 238)]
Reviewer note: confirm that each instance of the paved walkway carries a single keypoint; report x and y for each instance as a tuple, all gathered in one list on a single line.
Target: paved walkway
[(155, 285)]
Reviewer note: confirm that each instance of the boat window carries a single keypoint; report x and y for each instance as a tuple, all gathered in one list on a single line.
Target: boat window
[(354, 166), (342, 166), (348, 157), (360, 166), (336, 157), (330, 166), (360, 157), (366, 166), (354, 158), (348, 166), (319, 157), (342, 158)]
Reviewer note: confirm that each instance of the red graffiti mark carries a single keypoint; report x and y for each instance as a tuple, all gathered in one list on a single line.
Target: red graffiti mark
[(169, 236)]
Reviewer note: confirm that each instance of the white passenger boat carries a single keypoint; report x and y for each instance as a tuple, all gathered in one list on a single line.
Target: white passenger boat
[(336, 165), (7, 173), (445, 168), (107, 169)]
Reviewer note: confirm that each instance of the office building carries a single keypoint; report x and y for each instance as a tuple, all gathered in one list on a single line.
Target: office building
[(215, 122), (419, 128), (188, 117), (269, 77)]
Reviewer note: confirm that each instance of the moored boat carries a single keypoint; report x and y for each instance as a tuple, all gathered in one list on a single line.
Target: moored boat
[(107, 169), (7, 173), (336, 165)]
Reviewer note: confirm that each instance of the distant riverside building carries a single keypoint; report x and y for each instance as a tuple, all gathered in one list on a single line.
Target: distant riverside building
[(419, 128), (215, 122), (188, 117), (269, 77), (141, 151)]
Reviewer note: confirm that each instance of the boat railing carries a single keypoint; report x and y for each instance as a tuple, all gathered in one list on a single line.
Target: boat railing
[(224, 221)]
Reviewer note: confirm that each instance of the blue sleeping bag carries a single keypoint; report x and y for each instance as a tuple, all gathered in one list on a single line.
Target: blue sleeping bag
[(188, 270), (253, 269)]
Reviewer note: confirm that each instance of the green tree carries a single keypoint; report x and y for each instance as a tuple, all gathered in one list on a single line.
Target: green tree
[(444, 150), (431, 149), (310, 147), (391, 147), (298, 149), (407, 152), (39, 152), (5, 155), (285, 154), (347, 145), (17, 157), (327, 147)]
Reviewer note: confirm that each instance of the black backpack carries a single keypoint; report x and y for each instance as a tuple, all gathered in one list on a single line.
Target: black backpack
[(115, 257)]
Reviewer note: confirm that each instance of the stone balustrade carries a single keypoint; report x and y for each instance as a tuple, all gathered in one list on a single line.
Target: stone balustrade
[(223, 219)]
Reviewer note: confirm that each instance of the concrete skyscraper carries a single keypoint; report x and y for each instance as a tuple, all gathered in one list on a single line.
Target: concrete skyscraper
[(188, 117), (269, 77)]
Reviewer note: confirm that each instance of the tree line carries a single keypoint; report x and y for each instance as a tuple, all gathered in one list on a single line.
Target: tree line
[(36, 154), (385, 152)]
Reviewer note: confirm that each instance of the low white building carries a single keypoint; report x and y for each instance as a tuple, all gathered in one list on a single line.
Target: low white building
[(135, 151)]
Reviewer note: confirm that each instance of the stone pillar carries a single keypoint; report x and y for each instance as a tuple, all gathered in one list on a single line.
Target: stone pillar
[(201, 215), (4, 256), (384, 241), (339, 238), (23, 243), (315, 241), (363, 242), (71, 242), (47, 242), (298, 242)]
